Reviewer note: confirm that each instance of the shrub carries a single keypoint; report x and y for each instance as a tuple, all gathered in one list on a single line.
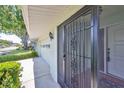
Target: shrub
[(10, 75), (18, 56)]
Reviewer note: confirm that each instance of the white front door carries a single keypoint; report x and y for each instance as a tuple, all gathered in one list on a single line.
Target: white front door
[(116, 50)]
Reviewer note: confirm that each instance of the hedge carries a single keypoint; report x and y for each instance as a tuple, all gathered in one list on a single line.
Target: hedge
[(10, 75), (19, 56)]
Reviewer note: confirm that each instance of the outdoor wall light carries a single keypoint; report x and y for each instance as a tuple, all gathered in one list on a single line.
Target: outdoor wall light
[(51, 35)]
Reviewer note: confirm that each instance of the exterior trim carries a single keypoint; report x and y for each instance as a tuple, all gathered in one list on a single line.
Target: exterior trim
[(83, 11), (95, 47)]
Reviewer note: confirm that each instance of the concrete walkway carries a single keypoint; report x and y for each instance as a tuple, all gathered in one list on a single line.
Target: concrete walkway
[(36, 74)]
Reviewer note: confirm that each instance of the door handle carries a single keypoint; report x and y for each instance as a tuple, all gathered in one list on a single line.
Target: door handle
[(64, 56), (108, 54)]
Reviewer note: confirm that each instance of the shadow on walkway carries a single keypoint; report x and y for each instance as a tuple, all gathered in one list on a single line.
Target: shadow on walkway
[(42, 76)]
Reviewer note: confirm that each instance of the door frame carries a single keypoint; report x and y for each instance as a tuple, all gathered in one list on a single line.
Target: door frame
[(94, 42)]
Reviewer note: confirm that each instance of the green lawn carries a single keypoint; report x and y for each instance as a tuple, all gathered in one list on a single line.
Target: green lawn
[(18, 55)]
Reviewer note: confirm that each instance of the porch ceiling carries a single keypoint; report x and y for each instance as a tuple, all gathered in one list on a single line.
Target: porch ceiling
[(42, 19)]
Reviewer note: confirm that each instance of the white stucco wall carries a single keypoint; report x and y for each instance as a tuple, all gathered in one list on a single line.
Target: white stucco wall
[(49, 54)]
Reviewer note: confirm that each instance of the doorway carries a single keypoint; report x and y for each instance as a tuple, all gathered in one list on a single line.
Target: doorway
[(77, 40), (112, 73)]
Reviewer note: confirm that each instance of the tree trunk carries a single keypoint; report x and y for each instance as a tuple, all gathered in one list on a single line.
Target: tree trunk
[(25, 41)]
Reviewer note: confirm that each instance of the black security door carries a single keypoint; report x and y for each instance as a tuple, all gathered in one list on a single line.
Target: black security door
[(76, 66)]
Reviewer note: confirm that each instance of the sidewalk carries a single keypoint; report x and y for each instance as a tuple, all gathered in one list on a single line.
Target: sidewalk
[(36, 74), (7, 50)]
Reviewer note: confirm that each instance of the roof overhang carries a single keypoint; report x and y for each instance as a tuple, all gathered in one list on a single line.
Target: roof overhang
[(42, 19)]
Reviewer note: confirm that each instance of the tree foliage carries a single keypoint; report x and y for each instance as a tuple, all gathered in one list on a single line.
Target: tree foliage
[(11, 21)]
